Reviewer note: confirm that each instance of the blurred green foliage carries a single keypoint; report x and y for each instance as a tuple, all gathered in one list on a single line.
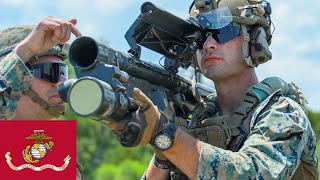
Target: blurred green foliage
[(314, 118), (103, 158)]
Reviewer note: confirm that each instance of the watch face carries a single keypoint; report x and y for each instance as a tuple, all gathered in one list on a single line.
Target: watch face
[(163, 141)]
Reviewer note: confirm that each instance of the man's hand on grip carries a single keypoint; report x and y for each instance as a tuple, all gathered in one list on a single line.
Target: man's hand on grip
[(139, 127)]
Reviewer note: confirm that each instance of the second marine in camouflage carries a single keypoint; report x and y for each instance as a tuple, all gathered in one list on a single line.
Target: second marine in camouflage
[(248, 130)]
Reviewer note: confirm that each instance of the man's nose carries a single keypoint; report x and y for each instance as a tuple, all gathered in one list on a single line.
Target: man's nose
[(210, 44), (61, 79)]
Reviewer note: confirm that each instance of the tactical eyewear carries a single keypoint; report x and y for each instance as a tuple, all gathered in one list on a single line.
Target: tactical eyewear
[(222, 35), (50, 72)]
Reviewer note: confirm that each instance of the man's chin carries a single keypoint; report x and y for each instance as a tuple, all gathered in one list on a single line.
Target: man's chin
[(57, 110), (61, 108)]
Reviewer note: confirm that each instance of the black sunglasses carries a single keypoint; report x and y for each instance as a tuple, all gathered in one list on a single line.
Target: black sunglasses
[(50, 72), (222, 35)]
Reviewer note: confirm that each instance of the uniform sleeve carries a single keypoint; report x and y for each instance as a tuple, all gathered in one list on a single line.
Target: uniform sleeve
[(15, 77), (273, 150)]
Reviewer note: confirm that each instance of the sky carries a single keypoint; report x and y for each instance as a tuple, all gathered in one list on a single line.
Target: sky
[(295, 44)]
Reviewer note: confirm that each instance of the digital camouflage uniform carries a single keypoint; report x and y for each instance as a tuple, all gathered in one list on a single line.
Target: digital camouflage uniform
[(15, 77), (281, 140)]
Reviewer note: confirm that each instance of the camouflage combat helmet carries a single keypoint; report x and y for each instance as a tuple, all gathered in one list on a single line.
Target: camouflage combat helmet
[(255, 21), (10, 37)]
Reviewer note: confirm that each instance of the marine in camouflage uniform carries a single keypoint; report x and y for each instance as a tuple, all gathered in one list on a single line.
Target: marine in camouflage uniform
[(42, 45), (281, 143), (15, 75), (262, 134)]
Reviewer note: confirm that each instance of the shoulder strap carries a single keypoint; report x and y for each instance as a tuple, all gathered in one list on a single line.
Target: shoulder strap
[(241, 120), (239, 123)]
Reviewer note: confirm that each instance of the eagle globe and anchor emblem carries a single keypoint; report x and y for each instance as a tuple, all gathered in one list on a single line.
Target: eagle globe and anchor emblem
[(34, 153)]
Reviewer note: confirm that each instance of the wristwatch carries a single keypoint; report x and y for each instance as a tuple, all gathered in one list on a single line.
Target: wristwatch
[(164, 139)]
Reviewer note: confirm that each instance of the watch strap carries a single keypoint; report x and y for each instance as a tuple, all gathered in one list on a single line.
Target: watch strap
[(162, 164), (170, 130)]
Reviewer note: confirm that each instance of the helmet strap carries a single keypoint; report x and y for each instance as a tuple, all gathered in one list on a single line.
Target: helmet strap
[(195, 90), (37, 99)]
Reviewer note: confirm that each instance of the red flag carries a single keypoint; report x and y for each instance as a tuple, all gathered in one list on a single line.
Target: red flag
[(32, 149)]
